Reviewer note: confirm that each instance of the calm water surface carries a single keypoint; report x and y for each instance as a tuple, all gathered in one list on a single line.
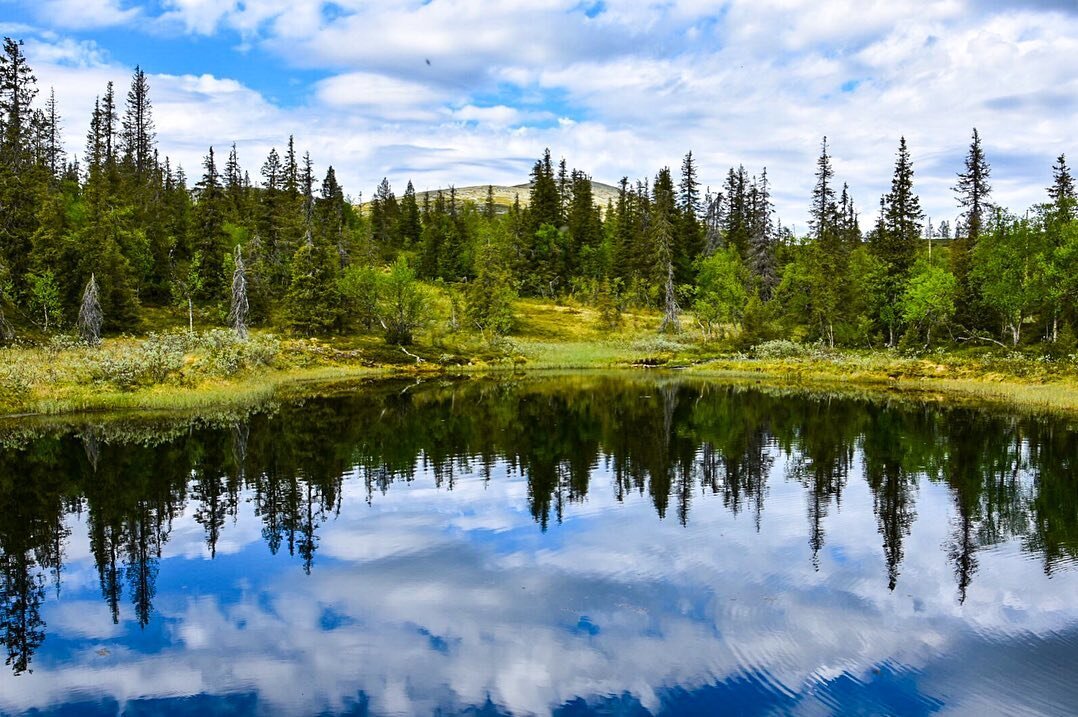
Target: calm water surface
[(576, 545)]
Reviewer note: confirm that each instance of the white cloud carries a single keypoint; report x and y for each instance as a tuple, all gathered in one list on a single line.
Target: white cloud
[(83, 14), (460, 92)]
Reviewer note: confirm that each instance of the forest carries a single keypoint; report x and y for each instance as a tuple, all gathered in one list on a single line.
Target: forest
[(114, 239)]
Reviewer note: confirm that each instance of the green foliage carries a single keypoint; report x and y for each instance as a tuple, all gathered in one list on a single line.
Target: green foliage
[(608, 300), (491, 295), (44, 299), (313, 299), (929, 299), (166, 358), (1006, 263), (720, 291), (758, 323), (359, 287), (403, 305), (129, 218), (781, 349)]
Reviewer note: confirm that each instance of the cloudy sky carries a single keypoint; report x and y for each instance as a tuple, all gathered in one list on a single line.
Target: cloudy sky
[(463, 92)]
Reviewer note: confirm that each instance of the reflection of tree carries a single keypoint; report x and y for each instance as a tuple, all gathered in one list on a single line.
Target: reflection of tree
[(673, 441), (22, 590), (1053, 455), (982, 469), (34, 489), (893, 479), (826, 438)]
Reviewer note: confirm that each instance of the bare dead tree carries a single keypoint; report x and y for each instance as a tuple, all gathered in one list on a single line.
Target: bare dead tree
[(713, 216), (90, 316), (239, 307), (671, 311)]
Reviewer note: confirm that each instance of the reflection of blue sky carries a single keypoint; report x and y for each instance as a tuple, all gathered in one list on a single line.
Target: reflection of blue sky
[(428, 598)]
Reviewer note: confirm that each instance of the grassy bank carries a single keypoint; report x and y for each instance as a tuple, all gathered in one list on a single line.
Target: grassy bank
[(176, 371)]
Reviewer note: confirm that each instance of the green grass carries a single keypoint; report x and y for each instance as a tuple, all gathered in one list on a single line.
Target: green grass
[(178, 373)]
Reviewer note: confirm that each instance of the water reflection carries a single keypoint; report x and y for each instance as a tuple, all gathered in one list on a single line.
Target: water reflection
[(437, 564)]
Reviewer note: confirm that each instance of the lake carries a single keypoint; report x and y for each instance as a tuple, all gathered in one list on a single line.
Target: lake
[(621, 544)]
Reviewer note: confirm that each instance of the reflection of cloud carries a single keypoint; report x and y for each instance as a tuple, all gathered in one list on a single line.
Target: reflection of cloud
[(428, 598)]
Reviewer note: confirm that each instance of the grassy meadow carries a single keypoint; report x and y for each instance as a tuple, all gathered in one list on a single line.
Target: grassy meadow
[(172, 369)]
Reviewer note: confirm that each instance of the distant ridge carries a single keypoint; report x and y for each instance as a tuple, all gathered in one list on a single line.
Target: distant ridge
[(505, 195)]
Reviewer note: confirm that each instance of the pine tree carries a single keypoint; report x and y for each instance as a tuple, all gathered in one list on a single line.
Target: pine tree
[(1061, 193), (410, 225), (20, 180), (207, 228), (313, 298), (762, 258), (138, 136), (823, 213), (544, 205), (903, 218), (973, 192), (689, 241), (53, 140), (488, 204)]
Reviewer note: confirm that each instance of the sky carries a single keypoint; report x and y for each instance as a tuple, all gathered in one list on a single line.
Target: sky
[(463, 92)]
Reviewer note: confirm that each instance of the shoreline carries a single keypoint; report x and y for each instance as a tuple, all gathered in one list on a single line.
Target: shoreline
[(257, 387)]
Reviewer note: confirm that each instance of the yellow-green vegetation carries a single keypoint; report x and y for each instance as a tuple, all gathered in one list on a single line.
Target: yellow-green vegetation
[(175, 370)]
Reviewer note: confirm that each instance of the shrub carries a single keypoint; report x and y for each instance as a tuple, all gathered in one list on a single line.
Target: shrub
[(780, 349)]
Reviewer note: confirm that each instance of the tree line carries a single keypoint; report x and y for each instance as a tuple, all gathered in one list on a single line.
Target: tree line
[(287, 248)]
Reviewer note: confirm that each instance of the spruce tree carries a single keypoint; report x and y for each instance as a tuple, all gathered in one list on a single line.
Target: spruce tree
[(903, 219), (54, 145), (689, 241), (583, 254), (20, 180), (544, 205), (762, 257), (410, 225), (208, 230), (822, 214), (330, 216), (972, 191), (138, 135), (313, 298), (1061, 193), (896, 237), (290, 179), (385, 218)]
